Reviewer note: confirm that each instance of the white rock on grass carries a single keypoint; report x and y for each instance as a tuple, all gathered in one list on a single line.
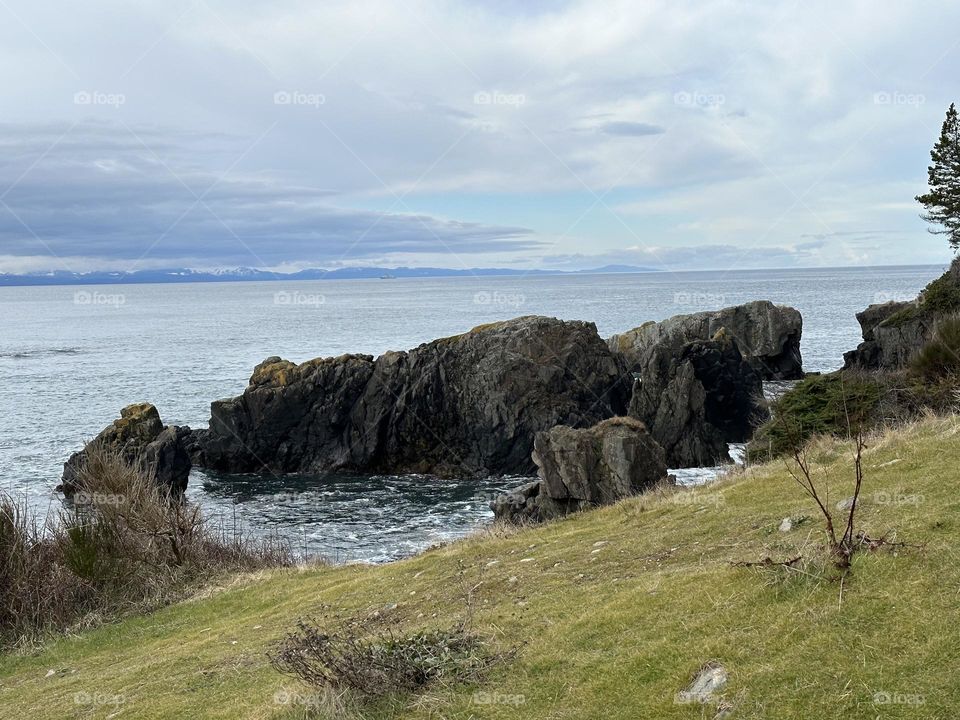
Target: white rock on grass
[(711, 679)]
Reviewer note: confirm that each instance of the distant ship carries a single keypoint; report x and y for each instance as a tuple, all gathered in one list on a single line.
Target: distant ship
[(388, 277)]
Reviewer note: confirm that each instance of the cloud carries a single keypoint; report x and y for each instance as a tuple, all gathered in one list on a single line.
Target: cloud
[(468, 130), (630, 129), (132, 196)]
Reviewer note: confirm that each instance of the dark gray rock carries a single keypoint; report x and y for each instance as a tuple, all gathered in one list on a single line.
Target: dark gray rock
[(768, 336), (888, 345), (139, 437), (291, 418), (520, 504), (468, 405), (894, 332), (697, 401), (585, 468)]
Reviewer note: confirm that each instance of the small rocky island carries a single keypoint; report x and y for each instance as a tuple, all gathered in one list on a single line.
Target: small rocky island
[(598, 418)]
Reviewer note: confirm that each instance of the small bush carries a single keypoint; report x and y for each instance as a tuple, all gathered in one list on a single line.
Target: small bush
[(123, 545), (36, 587), (940, 357), (941, 297), (818, 405), (385, 663)]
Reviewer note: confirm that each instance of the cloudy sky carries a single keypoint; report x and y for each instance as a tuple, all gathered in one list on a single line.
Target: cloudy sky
[(222, 133)]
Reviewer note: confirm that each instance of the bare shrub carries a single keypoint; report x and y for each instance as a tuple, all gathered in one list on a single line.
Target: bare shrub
[(36, 588), (842, 539), (382, 663), (122, 544)]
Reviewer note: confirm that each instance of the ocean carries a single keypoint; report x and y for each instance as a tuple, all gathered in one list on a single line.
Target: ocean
[(72, 356)]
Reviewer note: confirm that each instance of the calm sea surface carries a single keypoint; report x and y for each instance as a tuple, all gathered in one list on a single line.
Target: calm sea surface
[(71, 357)]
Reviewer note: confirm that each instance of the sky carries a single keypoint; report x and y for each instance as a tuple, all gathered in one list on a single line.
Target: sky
[(553, 135)]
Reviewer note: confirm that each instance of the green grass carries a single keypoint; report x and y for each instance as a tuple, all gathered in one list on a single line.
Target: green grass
[(613, 611)]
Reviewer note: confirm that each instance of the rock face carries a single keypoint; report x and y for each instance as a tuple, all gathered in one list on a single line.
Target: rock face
[(894, 332), (698, 400), (140, 438), (468, 405), (888, 345), (585, 468), (768, 336)]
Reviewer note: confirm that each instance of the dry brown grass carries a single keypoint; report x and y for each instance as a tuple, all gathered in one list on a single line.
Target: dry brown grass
[(122, 545)]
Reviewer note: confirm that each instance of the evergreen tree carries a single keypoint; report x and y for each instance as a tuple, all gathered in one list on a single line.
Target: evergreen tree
[(942, 201)]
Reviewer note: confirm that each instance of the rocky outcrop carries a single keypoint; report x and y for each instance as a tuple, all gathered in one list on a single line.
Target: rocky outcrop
[(892, 332), (467, 405), (139, 437), (585, 468), (768, 336), (698, 400)]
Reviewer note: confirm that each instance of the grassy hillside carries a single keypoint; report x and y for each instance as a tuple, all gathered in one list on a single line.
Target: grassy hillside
[(613, 612)]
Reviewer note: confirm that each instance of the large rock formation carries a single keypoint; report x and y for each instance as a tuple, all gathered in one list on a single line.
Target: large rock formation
[(892, 333), (584, 468), (465, 405), (698, 400), (768, 336), (138, 437)]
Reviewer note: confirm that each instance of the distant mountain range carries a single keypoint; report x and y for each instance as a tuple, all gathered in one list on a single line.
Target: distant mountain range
[(252, 274)]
